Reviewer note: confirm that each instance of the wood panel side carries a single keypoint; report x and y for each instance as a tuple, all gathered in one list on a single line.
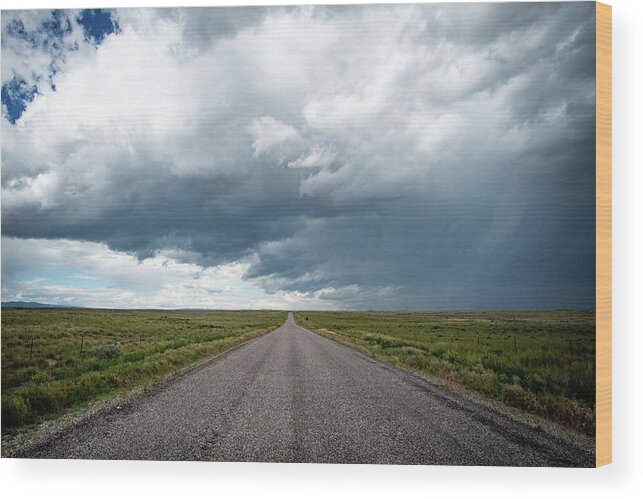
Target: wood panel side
[(603, 234)]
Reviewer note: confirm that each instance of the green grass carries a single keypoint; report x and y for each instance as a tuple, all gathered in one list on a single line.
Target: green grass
[(54, 360), (542, 362)]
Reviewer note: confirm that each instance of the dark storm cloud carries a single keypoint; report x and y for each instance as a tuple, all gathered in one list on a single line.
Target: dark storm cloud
[(203, 26), (437, 156)]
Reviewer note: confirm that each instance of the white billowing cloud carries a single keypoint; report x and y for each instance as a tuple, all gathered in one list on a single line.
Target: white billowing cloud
[(90, 274), (316, 157), (268, 133), (431, 134)]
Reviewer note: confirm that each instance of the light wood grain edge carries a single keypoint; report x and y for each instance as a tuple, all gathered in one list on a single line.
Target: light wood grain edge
[(603, 234)]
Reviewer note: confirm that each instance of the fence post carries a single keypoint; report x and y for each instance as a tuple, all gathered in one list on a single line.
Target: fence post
[(515, 345), (31, 350), (82, 342)]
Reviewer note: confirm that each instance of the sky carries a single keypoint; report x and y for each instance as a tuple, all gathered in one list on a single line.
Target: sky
[(429, 157)]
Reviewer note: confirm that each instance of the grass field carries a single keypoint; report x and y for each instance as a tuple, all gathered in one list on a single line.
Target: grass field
[(541, 362), (54, 360)]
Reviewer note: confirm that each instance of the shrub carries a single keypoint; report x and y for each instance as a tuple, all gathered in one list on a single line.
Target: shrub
[(40, 377), (106, 352), (45, 398), (72, 362), (534, 383), (15, 411)]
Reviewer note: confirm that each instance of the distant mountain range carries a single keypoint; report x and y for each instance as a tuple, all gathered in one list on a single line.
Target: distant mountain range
[(32, 304)]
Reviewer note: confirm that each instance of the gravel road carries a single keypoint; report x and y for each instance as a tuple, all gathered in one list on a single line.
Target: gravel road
[(295, 396)]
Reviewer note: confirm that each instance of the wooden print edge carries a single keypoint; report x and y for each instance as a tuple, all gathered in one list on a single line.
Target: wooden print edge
[(603, 234)]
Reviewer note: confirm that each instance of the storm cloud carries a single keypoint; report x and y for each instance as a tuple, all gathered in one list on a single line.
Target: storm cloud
[(391, 156)]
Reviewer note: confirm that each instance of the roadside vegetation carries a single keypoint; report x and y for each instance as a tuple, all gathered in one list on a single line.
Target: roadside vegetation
[(542, 362), (54, 360)]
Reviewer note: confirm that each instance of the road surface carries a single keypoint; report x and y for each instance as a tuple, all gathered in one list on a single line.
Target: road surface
[(295, 396)]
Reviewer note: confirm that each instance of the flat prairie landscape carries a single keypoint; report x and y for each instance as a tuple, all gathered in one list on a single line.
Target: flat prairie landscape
[(541, 362), (54, 360)]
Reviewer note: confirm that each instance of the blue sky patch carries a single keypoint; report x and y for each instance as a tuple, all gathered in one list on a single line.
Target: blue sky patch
[(97, 24), (16, 94)]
